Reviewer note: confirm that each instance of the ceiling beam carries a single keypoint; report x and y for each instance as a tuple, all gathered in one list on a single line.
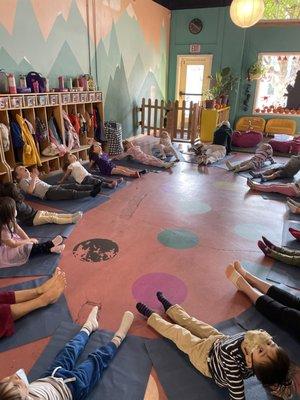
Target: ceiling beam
[(189, 4)]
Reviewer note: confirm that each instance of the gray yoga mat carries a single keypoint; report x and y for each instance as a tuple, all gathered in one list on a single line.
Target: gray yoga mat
[(49, 231), (74, 205), (39, 323), (127, 375), (252, 319), (273, 196), (260, 271), (287, 239), (36, 266), (130, 163), (181, 380), (246, 174), (288, 275)]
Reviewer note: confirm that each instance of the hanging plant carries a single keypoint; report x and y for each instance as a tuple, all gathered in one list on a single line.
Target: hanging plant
[(256, 71)]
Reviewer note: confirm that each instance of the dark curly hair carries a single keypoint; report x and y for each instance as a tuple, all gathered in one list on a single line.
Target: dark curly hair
[(12, 190)]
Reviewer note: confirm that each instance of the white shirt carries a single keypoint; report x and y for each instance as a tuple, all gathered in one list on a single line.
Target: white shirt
[(78, 171)]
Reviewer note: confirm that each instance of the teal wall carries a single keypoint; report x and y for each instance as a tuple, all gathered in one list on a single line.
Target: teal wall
[(230, 46)]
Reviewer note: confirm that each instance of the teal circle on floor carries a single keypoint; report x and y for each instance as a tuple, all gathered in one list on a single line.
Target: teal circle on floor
[(178, 238), (193, 207), (251, 232)]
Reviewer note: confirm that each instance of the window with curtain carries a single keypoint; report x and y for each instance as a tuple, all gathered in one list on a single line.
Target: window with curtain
[(286, 10), (278, 91)]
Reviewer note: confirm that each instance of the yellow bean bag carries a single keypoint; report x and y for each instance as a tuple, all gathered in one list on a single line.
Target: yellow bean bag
[(256, 124), (281, 125)]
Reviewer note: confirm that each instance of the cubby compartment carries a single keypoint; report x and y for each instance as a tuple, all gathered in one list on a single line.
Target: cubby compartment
[(43, 107)]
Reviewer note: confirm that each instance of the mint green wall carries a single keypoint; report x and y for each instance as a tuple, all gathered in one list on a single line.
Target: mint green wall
[(230, 46)]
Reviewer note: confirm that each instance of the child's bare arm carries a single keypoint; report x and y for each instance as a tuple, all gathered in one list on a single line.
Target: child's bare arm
[(66, 176)]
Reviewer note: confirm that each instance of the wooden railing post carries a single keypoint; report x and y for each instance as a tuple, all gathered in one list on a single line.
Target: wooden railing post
[(143, 116)]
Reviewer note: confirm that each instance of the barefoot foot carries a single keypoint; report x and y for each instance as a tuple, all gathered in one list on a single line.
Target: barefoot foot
[(45, 286), (55, 291)]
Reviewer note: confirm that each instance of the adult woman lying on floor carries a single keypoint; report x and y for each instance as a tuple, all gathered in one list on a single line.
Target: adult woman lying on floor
[(228, 360), (29, 216), (274, 303), (288, 189), (16, 304), (283, 254), (15, 246), (63, 380)]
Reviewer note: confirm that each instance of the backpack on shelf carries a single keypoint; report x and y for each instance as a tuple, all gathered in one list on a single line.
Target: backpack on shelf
[(3, 82), (4, 132), (113, 133), (32, 77)]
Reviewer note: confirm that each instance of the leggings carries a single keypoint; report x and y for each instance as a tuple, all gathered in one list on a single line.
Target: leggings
[(94, 180), (291, 257), (282, 308), (6, 319), (288, 189), (41, 248)]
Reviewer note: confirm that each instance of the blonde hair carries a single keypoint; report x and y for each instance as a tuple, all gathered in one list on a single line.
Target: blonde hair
[(9, 392)]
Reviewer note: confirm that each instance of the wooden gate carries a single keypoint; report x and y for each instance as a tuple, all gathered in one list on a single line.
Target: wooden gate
[(182, 122)]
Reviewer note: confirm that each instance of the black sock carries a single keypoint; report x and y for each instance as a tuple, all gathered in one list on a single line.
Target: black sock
[(96, 190), (144, 310), (255, 174), (166, 304), (143, 171)]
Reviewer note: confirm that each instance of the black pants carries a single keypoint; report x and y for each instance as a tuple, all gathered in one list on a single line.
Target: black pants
[(94, 180), (68, 191), (282, 308), (41, 248)]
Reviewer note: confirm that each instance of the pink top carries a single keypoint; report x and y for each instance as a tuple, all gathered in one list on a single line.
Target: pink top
[(13, 256)]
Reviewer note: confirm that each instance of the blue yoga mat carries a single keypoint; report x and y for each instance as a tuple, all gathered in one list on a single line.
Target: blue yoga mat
[(129, 163), (48, 231), (39, 323), (36, 266), (287, 239), (127, 375), (288, 275), (72, 206), (181, 380), (260, 271)]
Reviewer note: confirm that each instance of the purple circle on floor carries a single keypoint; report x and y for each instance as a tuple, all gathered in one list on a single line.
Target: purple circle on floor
[(145, 287)]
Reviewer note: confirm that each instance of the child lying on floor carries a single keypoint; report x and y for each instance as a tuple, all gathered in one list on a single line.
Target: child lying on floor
[(30, 183), (228, 360), (288, 189), (289, 170), (16, 304), (63, 380), (137, 154), (165, 147), (15, 246), (106, 166), (208, 153), (263, 153), (29, 216), (74, 168)]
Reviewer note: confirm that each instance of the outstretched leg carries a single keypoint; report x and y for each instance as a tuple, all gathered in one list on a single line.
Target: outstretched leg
[(288, 189), (90, 371)]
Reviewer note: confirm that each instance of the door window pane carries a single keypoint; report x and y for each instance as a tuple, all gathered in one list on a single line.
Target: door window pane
[(194, 82)]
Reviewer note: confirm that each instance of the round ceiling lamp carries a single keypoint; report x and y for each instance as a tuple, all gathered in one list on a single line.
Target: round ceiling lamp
[(246, 13)]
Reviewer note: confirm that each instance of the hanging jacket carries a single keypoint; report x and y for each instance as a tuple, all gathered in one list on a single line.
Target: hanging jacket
[(30, 152), (4, 132), (72, 138)]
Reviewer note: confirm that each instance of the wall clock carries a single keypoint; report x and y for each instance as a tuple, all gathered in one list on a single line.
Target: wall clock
[(195, 26)]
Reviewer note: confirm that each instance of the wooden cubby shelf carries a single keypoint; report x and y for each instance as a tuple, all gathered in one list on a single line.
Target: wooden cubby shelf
[(43, 106)]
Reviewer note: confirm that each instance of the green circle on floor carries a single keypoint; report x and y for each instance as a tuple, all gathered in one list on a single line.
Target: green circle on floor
[(193, 207), (178, 238)]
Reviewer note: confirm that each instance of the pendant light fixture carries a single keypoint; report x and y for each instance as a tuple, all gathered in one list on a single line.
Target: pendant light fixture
[(246, 13)]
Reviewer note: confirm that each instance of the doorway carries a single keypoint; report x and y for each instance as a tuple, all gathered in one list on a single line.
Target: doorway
[(192, 77)]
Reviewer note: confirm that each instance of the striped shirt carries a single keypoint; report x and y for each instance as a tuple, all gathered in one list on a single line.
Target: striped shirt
[(50, 388), (228, 365)]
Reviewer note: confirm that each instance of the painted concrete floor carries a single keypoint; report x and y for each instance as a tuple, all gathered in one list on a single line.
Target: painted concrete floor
[(175, 231)]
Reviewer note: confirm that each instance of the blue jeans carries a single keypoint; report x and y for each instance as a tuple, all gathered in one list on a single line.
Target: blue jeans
[(89, 372)]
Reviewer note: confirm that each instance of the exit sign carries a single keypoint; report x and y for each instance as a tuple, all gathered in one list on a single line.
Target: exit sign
[(195, 48)]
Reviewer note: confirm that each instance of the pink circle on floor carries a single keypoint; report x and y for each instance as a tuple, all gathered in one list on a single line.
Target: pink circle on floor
[(145, 287)]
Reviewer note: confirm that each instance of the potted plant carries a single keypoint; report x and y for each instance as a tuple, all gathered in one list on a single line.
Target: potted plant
[(256, 71), (225, 82), (210, 96)]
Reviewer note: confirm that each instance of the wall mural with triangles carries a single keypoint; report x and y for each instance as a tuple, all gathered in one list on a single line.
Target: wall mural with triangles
[(124, 42)]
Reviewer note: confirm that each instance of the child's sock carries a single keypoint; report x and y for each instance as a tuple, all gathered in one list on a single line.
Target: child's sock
[(144, 310), (125, 325), (264, 248), (165, 302), (77, 217), (96, 190), (268, 243), (91, 324), (229, 166)]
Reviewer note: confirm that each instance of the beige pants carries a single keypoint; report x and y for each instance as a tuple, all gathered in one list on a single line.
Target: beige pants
[(193, 337), (48, 217)]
